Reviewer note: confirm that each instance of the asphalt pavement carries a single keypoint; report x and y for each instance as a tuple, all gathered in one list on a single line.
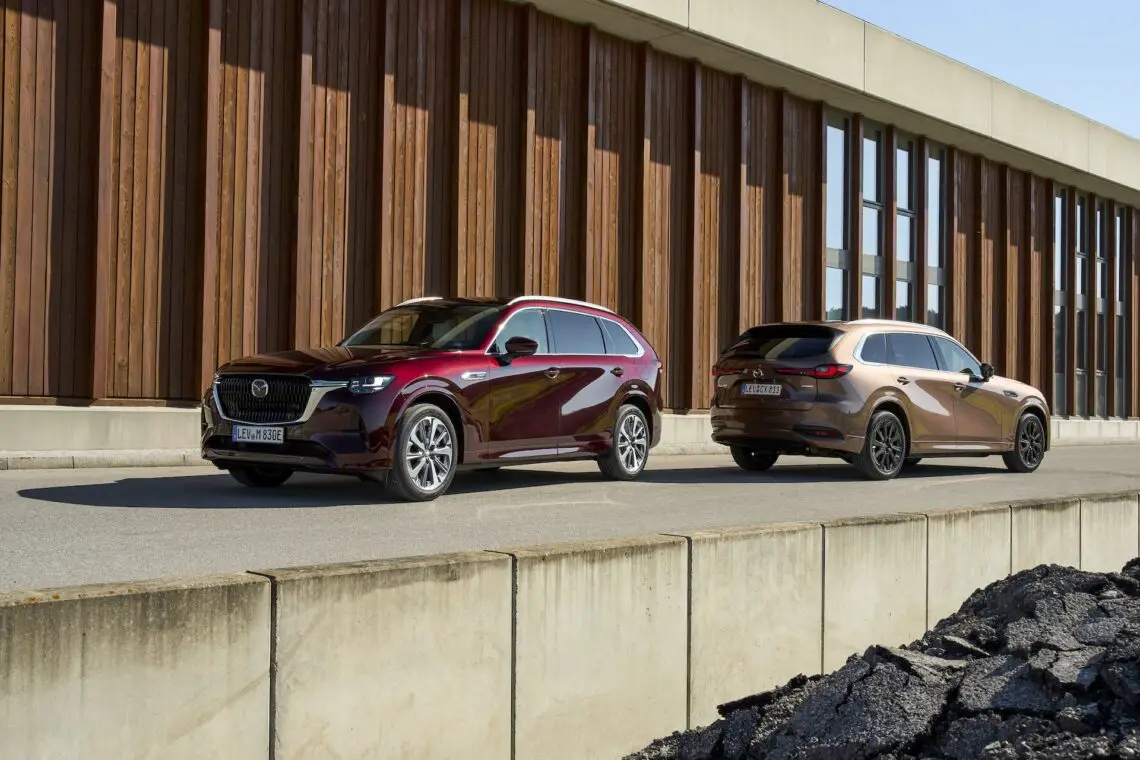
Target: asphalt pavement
[(72, 527)]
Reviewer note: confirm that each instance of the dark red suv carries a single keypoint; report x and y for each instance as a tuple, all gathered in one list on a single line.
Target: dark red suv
[(438, 384)]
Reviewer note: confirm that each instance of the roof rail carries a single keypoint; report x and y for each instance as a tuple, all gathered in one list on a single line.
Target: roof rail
[(556, 299), (419, 300), (872, 321)]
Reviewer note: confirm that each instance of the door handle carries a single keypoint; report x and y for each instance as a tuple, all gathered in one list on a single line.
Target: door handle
[(903, 380), (959, 387), (618, 371), (552, 372)]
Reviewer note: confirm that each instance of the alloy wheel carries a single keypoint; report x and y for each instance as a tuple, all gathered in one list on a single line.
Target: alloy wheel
[(1031, 442), (429, 454), (633, 443), (887, 446)]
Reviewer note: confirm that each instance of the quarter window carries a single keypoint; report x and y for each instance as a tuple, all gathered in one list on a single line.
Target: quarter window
[(528, 323), (954, 358), (911, 350), (617, 339), (575, 333)]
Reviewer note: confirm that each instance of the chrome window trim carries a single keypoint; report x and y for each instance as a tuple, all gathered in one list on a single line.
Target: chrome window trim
[(857, 352), (318, 389), (640, 348), (556, 299)]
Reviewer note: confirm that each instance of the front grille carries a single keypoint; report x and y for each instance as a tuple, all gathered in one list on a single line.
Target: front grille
[(283, 402)]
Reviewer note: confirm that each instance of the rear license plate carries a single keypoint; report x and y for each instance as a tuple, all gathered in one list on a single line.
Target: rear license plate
[(246, 434), (761, 389)]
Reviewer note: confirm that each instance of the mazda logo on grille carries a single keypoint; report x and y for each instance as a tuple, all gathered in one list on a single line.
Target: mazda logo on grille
[(259, 388)]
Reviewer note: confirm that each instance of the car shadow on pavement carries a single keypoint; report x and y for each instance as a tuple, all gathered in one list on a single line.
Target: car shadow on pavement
[(313, 491)]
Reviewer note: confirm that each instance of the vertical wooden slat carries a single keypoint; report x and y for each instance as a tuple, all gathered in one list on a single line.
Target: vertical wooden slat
[(1110, 310), (1041, 323), (1134, 314), (890, 222), (761, 205), (801, 194), (1015, 297), (1070, 260), (106, 226), (1091, 293), (922, 214)]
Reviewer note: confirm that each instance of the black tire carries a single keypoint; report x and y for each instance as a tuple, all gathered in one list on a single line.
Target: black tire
[(261, 476), (884, 450), (424, 437), (911, 463), (1028, 445), (629, 454), (753, 461)]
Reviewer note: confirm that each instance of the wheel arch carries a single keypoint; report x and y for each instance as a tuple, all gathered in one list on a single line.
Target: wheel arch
[(1038, 411), (639, 400), (891, 404), (437, 396)]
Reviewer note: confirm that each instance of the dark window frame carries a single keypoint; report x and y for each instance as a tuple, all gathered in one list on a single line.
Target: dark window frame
[(839, 258), (936, 234), (906, 270), (872, 265), (1061, 337)]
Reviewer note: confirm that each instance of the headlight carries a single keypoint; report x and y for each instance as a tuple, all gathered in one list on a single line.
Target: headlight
[(361, 385)]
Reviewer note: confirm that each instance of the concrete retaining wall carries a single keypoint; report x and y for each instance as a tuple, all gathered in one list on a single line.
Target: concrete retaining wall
[(588, 650)]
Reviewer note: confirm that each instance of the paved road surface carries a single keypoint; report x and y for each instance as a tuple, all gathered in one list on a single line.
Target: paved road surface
[(68, 527)]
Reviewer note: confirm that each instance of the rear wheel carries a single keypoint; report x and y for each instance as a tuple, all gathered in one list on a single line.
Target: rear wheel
[(1029, 445), (425, 455), (627, 457), (884, 451), (261, 476), (752, 460)]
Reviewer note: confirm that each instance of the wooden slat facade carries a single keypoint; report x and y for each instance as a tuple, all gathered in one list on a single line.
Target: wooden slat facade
[(186, 181)]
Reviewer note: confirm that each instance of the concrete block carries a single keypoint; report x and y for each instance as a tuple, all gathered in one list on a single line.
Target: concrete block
[(64, 428), (967, 549), (156, 671), (600, 647), (874, 584), (1113, 155), (1034, 124), (757, 612), (1046, 532), (404, 658), (1110, 531), (39, 461), (691, 429)]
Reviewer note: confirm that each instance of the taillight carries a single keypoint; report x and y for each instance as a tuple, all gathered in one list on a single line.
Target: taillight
[(821, 372), (717, 372)]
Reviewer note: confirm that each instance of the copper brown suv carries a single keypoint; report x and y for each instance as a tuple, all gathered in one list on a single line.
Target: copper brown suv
[(880, 394)]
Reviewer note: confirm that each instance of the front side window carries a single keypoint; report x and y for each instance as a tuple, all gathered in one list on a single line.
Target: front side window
[(575, 333), (528, 323), (911, 350), (954, 358), (430, 324)]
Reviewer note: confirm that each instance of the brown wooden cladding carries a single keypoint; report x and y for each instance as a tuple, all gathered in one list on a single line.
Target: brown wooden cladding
[(270, 174)]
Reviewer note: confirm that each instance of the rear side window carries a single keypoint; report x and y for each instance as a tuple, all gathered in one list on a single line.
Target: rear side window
[(875, 349), (617, 339), (772, 342), (575, 333), (911, 350)]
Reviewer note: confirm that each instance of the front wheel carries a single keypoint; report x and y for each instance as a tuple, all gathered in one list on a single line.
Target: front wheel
[(753, 461), (261, 476), (884, 451), (1029, 446), (630, 451), (425, 455)]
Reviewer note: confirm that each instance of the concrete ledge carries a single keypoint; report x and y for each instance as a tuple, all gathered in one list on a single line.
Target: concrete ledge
[(1045, 532), (77, 460), (1110, 531), (176, 670), (967, 549)]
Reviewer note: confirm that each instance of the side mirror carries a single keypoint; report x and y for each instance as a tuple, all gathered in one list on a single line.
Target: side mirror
[(518, 346), (987, 371)]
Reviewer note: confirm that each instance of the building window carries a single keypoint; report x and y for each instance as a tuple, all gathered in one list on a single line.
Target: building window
[(935, 255), (1082, 307), (1100, 292), (838, 225), (872, 251), (904, 230), (1120, 312), (1060, 304)]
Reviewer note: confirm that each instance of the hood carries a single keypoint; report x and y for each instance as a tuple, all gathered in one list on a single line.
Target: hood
[(336, 361)]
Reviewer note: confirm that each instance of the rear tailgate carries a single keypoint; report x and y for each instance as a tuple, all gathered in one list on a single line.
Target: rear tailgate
[(775, 367)]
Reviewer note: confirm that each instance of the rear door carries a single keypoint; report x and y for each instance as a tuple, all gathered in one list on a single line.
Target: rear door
[(589, 381), (773, 367), (928, 394)]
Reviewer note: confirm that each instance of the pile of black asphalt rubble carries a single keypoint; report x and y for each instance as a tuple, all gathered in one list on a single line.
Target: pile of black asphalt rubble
[(1043, 664)]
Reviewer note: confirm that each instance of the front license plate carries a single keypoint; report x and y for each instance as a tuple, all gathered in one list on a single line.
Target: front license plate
[(761, 389), (246, 434)]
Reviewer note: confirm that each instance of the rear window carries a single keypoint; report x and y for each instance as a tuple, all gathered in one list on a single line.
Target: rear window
[(772, 342)]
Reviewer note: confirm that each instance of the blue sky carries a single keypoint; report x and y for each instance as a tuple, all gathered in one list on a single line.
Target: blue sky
[(1081, 54)]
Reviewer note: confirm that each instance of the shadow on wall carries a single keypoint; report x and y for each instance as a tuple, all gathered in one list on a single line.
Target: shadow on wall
[(307, 492)]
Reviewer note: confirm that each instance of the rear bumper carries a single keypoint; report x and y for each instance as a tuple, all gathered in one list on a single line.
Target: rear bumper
[(813, 431)]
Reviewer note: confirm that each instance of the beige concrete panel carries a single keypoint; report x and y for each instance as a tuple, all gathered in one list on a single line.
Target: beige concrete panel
[(621, 18), (915, 77), (148, 671), (57, 428), (407, 658), (600, 647), (1113, 155), (757, 612), (1110, 531), (1038, 126), (805, 35), (874, 584), (968, 550), (1046, 532)]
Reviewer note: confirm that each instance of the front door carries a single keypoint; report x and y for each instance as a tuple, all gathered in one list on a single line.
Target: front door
[(981, 409), (931, 401), (522, 411)]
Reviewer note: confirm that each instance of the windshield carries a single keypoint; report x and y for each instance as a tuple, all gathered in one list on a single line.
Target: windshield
[(443, 325), (784, 342)]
